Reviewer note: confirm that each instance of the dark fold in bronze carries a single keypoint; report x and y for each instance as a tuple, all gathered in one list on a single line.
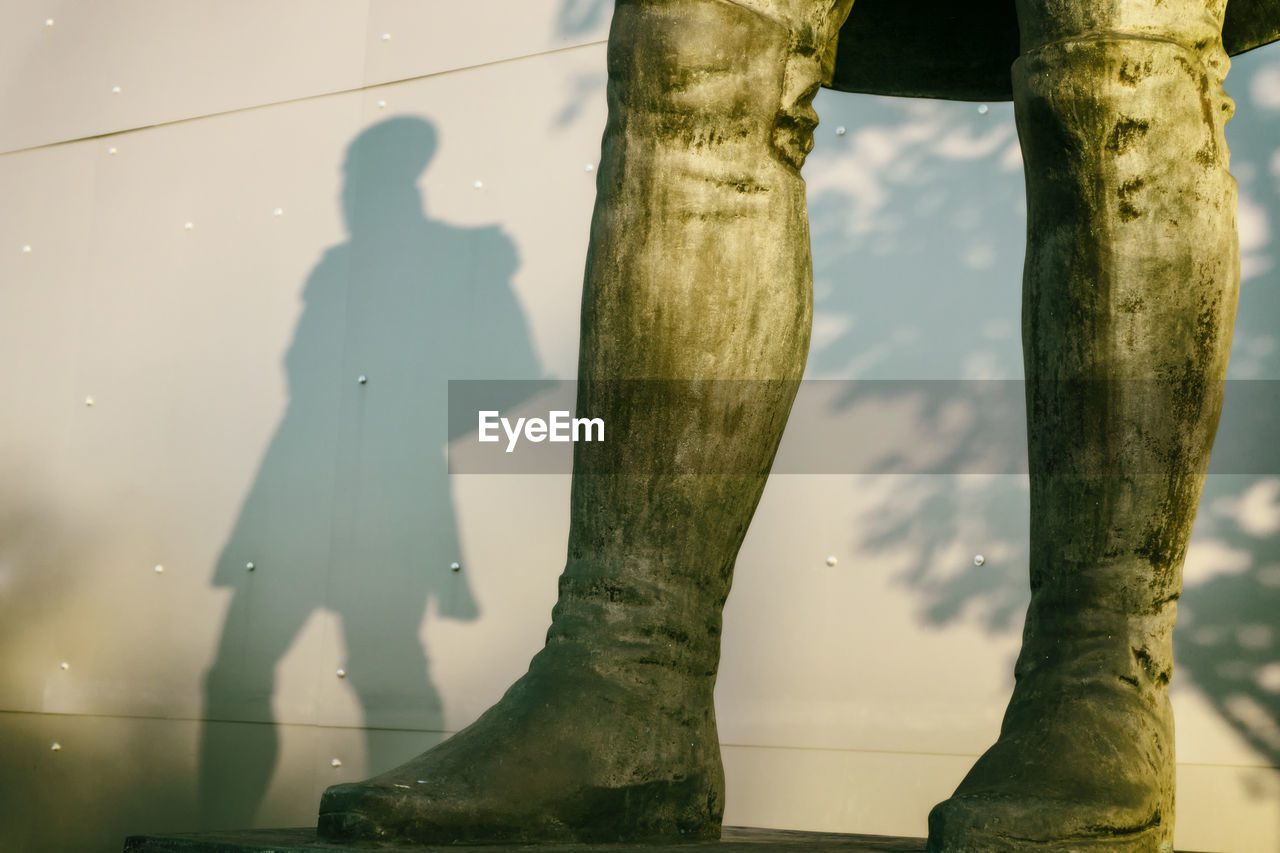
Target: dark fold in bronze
[(962, 51)]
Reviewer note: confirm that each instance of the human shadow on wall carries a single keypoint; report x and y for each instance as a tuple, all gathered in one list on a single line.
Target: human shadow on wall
[(350, 511)]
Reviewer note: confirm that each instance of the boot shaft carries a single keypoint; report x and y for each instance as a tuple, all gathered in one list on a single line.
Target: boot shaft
[(697, 303)]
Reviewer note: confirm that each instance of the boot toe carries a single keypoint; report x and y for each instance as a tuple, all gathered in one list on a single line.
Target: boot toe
[(1007, 823), (347, 813)]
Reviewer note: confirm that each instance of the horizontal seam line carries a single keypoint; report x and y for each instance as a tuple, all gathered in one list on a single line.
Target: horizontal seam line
[(298, 100), (970, 755), (784, 748), (183, 719), (776, 747)]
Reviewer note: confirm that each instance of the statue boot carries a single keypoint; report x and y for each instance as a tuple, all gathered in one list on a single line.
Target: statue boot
[(1129, 297), (695, 328)]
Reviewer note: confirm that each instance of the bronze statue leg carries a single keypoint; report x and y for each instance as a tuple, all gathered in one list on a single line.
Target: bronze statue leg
[(1129, 296), (698, 269)]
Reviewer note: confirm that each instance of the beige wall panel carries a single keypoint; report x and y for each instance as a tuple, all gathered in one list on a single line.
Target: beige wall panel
[(175, 61), (228, 427), (837, 790), (46, 220), (113, 777), (512, 567), (227, 424), (177, 336), (152, 785), (1228, 665), (107, 778), (891, 794), (854, 655), (250, 774), (410, 38), (1234, 809), (842, 656), (170, 61), (46, 215)]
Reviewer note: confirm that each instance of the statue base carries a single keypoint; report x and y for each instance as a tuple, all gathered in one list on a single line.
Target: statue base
[(735, 839)]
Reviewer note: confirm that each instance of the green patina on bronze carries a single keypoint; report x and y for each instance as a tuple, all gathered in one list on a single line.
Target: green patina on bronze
[(1129, 296), (699, 269)]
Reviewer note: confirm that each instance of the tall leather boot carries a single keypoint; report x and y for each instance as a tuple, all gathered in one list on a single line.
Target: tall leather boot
[(1129, 296), (698, 298)]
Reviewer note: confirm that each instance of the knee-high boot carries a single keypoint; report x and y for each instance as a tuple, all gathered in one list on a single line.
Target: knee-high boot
[(695, 326), (1129, 296)]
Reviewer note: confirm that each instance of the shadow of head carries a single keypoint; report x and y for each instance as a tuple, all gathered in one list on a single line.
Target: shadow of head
[(381, 171)]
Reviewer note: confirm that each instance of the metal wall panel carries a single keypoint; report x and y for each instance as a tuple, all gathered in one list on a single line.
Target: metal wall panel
[(170, 61), (183, 309), (409, 39), (891, 794), (828, 644), (241, 272), (112, 65), (86, 782), (152, 789), (436, 228), (46, 217)]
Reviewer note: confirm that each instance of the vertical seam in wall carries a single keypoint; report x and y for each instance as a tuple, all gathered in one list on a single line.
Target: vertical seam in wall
[(332, 634)]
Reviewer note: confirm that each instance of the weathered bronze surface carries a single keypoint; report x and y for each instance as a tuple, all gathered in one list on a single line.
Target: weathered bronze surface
[(699, 269), (1129, 294)]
